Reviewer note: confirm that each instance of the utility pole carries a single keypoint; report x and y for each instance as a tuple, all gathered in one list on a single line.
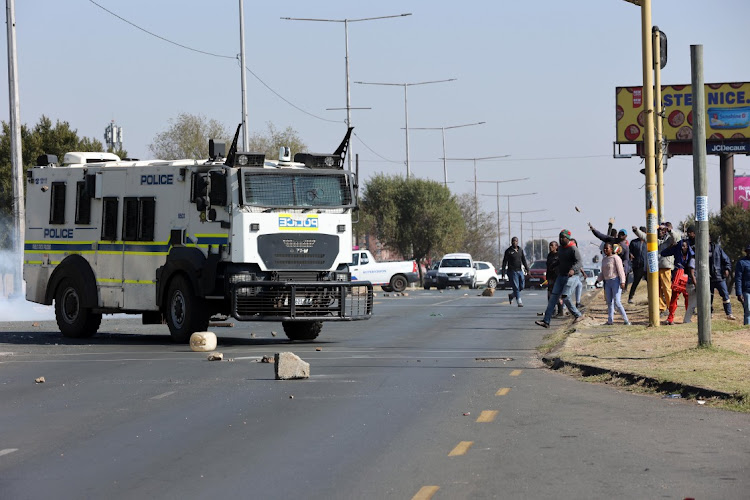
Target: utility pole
[(406, 109), (656, 36), (443, 129), (245, 131), (16, 153), (508, 197), (346, 62), (521, 217), (497, 196), (700, 183)]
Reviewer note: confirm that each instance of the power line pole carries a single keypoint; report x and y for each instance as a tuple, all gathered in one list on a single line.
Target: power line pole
[(16, 153), (346, 61), (406, 109), (700, 183), (243, 82), (497, 196), (443, 129)]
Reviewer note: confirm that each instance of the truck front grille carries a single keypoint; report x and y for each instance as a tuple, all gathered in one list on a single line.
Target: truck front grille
[(274, 301), (298, 252)]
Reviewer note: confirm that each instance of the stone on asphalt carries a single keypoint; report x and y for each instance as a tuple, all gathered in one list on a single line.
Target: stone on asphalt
[(290, 366), (215, 356), (203, 341)]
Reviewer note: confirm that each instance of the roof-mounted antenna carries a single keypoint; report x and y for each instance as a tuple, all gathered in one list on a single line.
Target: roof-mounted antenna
[(233, 148)]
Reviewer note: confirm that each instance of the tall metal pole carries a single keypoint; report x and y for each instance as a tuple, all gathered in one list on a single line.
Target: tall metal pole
[(406, 120), (499, 247), (245, 132), (348, 92), (652, 244), (700, 183), (445, 167), (659, 123), (16, 158)]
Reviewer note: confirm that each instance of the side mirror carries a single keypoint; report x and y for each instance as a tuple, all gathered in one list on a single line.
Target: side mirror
[(218, 187), (200, 188)]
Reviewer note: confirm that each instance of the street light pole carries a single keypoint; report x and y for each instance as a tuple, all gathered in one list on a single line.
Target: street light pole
[(509, 196), (243, 80), (406, 109), (346, 59), (443, 129), (521, 214), (497, 196)]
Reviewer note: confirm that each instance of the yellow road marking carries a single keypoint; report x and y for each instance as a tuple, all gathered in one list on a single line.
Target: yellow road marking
[(502, 392), (515, 373), (487, 416), (461, 448), (425, 493)]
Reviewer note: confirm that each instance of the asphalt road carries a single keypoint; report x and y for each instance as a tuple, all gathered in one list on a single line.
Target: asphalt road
[(439, 395)]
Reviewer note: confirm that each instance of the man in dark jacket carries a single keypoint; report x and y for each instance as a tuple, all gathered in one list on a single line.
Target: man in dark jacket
[(567, 271), (513, 259), (553, 261), (742, 283), (719, 267), (637, 249)]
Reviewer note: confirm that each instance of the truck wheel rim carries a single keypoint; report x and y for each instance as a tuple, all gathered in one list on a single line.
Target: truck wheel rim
[(71, 305), (178, 309)]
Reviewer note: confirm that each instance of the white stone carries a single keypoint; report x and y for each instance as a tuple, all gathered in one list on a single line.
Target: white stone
[(203, 341), (289, 366)]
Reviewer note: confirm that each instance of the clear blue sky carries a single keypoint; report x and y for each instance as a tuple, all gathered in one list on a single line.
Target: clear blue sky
[(541, 74)]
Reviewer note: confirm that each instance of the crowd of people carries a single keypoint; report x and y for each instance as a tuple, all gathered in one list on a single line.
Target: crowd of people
[(676, 273)]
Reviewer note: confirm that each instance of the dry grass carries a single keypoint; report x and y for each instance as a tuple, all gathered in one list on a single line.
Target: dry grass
[(666, 353)]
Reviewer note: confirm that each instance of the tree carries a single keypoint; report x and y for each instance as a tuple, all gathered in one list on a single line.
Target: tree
[(416, 217), (44, 138), (273, 139), (480, 237), (187, 137)]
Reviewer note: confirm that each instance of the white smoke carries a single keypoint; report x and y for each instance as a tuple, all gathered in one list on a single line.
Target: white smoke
[(15, 307)]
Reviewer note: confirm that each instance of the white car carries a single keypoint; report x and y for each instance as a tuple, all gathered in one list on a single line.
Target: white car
[(459, 267), (591, 275), (486, 275)]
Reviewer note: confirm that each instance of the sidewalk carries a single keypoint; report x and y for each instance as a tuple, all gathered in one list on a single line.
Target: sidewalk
[(664, 359)]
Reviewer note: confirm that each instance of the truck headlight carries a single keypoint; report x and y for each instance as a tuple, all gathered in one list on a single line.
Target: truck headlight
[(342, 277), (241, 278)]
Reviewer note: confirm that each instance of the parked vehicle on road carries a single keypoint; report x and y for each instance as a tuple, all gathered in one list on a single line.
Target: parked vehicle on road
[(592, 273), (391, 276), (537, 274), (434, 278), (486, 274), (460, 270)]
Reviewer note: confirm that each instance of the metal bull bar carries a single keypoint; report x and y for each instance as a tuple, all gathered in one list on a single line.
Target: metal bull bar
[(303, 301)]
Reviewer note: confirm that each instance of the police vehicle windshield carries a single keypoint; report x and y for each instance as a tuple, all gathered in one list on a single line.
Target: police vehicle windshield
[(296, 189)]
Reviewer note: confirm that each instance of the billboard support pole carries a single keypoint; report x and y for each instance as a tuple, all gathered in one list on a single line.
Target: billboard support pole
[(652, 244), (659, 122), (726, 170)]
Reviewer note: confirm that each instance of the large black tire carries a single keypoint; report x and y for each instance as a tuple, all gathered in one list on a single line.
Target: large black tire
[(386, 288), (74, 320), (399, 283), (185, 313), (302, 330), (492, 283), (427, 287)]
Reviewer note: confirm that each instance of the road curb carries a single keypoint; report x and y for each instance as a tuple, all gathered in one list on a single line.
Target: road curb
[(556, 363)]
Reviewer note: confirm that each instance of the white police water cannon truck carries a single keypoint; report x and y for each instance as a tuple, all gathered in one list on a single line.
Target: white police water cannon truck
[(181, 241)]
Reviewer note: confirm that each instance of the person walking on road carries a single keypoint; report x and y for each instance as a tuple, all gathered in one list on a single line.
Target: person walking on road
[(613, 276), (742, 283), (667, 237), (515, 261), (719, 267), (637, 250), (553, 262), (567, 271)]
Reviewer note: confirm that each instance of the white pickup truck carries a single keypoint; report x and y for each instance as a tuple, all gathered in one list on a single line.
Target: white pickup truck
[(391, 276)]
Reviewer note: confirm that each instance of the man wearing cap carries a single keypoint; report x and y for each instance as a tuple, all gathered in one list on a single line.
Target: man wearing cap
[(742, 283), (622, 240), (567, 273)]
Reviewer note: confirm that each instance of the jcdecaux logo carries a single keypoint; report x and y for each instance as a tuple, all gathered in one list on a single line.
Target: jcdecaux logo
[(289, 223)]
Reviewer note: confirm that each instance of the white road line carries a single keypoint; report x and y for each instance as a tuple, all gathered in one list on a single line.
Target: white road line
[(163, 395), (7, 451)]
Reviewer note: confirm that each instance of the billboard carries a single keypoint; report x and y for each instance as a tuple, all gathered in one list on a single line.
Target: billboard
[(727, 112), (742, 191)]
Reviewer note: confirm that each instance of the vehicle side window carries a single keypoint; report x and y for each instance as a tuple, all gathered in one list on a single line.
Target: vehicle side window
[(57, 203), (138, 219), (364, 259), (109, 219), (83, 204), (355, 259), (482, 266)]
